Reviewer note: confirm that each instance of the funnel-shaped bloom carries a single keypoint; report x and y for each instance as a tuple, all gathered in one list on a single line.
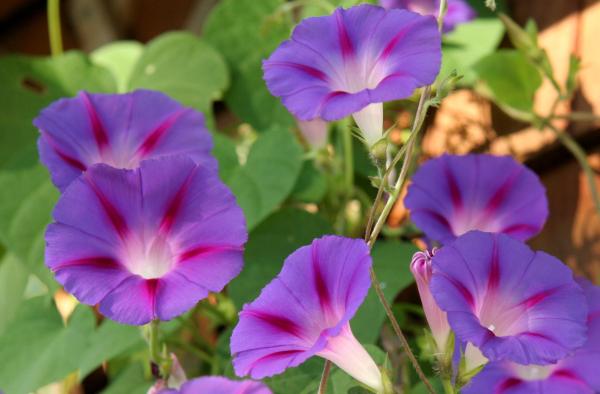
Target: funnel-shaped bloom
[(146, 243), (451, 195), (219, 385), (119, 130), (507, 300), (305, 311), (436, 318), (355, 59), (576, 374), (458, 12)]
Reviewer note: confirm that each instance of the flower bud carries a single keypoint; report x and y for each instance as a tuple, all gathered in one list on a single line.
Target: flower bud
[(436, 318)]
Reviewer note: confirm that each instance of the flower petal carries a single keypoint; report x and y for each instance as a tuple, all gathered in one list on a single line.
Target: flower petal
[(507, 300), (169, 231), (336, 65), (119, 130), (317, 292), (451, 195), (221, 385)]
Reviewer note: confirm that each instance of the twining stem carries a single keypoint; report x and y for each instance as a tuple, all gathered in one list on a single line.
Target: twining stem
[(448, 387), (348, 163), (576, 150), (154, 342), (53, 10), (407, 154), (324, 377), (371, 235)]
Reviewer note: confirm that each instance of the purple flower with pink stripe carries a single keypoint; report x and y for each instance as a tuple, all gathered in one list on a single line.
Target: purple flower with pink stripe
[(305, 311), (507, 300), (458, 12), (451, 195), (219, 385), (119, 130), (352, 61), (146, 243), (575, 374)]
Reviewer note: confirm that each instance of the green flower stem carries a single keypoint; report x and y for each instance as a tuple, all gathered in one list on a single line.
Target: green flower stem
[(448, 387), (54, 32), (157, 353), (348, 162), (579, 154)]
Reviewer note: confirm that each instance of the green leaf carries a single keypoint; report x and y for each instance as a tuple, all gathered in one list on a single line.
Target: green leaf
[(37, 347), (268, 246), (246, 32), (26, 195), (30, 84), (268, 176), (301, 380), (183, 66), (391, 260), (131, 381), (468, 44), (510, 80), (119, 57), (13, 279), (311, 185), (26, 199), (224, 151), (572, 76), (108, 341)]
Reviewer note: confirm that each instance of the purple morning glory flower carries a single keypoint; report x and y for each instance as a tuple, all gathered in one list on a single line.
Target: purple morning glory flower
[(458, 12), (219, 385), (119, 130), (575, 374), (451, 195), (146, 243), (507, 300), (352, 61), (305, 311)]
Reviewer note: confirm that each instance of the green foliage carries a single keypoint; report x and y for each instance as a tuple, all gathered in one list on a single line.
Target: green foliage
[(246, 32), (511, 81), (13, 279), (391, 261), (468, 44), (120, 58), (38, 348), (183, 66), (131, 381), (311, 186), (26, 194), (269, 244), (268, 175)]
